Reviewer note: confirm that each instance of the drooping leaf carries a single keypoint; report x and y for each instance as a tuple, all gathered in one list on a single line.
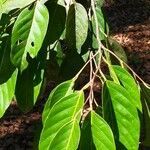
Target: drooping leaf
[(117, 49), (57, 19), (145, 92), (63, 112), (28, 86), (99, 3), (67, 138), (146, 123), (6, 67), (7, 91), (62, 90), (102, 27), (101, 132), (121, 114), (71, 64), (8, 5), (28, 34), (76, 26), (129, 84), (86, 140)]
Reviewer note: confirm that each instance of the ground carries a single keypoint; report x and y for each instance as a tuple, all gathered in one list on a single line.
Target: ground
[(130, 26)]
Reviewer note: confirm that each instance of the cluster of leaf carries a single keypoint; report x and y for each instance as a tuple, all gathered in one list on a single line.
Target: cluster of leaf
[(53, 40)]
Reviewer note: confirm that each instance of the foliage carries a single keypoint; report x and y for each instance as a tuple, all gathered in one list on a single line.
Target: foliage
[(56, 40)]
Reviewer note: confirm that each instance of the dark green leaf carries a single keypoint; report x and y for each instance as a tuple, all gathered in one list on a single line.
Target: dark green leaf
[(86, 141), (117, 49), (6, 67), (146, 115), (57, 19), (28, 86)]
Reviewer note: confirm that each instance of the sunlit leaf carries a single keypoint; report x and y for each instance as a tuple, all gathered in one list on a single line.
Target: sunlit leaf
[(7, 91), (28, 34), (101, 132), (129, 84), (67, 138), (62, 90), (121, 114), (63, 112)]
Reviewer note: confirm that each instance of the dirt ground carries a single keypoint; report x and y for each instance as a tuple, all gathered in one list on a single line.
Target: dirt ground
[(130, 26)]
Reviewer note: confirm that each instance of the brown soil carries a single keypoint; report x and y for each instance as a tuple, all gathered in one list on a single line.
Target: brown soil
[(130, 26)]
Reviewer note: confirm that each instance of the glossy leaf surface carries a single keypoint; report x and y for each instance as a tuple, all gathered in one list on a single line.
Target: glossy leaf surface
[(122, 115), (62, 90), (63, 112), (7, 91), (28, 34), (101, 132), (129, 84)]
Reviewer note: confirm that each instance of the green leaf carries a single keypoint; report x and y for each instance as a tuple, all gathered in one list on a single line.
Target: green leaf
[(101, 132), (8, 5), (146, 123), (28, 86), (86, 140), (62, 90), (6, 67), (76, 26), (102, 26), (70, 66), (121, 114), (128, 81), (145, 92), (57, 19), (99, 3), (64, 111), (28, 34), (67, 138), (117, 49), (7, 91)]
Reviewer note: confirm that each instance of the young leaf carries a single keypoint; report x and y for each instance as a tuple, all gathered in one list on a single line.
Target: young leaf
[(62, 90), (28, 86), (28, 34), (7, 91), (67, 138), (121, 114), (76, 26), (101, 132), (63, 112), (129, 84)]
